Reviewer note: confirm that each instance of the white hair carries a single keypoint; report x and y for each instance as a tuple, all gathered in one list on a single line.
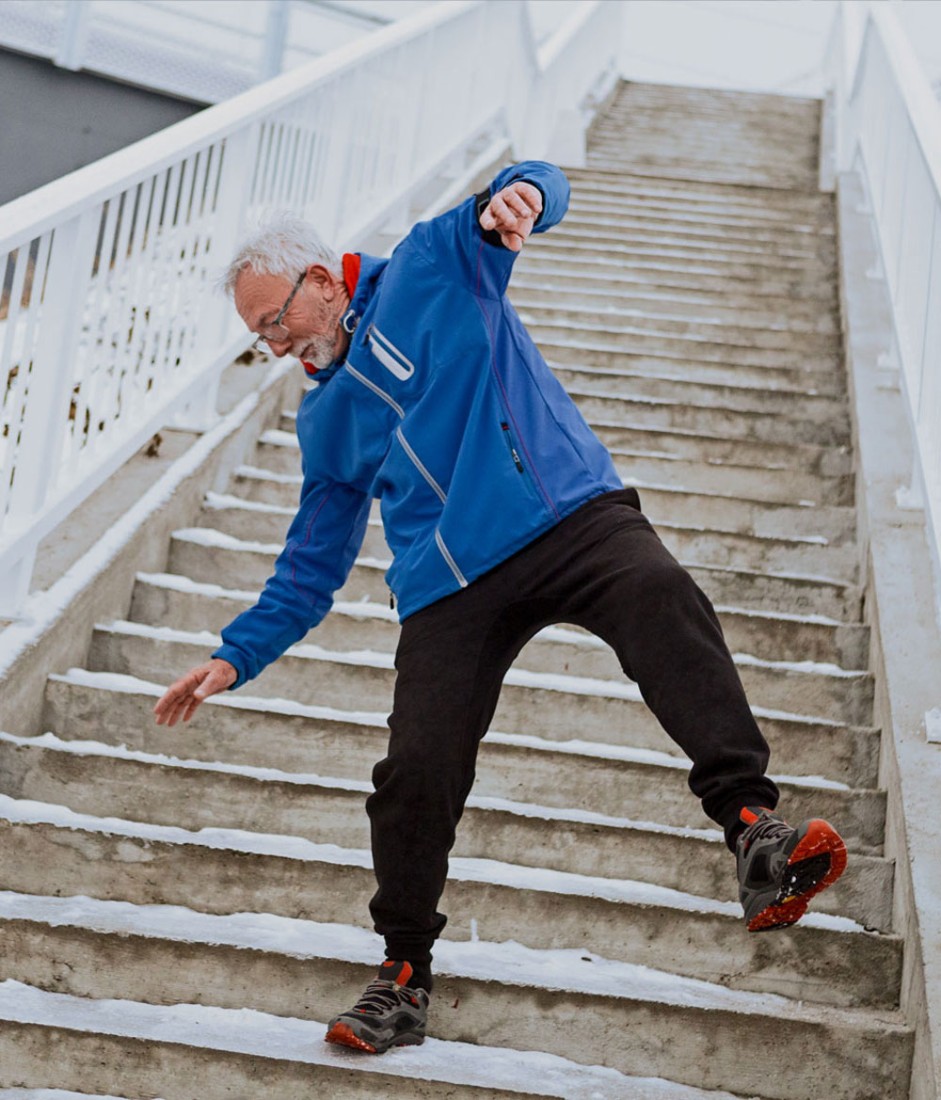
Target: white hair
[(283, 244)]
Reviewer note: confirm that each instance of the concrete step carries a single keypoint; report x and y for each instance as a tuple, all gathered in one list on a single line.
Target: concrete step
[(734, 104), (610, 197), (214, 558), (630, 95), (756, 389), (667, 503), (724, 394), (703, 261), (556, 707), (733, 280), (516, 791), (546, 308), (711, 346), (640, 463), (768, 200), (181, 1049), (227, 952), (638, 220), (791, 298), (700, 360), (815, 473), (653, 142), (824, 959), (709, 169), (641, 238), (702, 543), (762, 314), (176, 601), (770, 681), (784, 473)]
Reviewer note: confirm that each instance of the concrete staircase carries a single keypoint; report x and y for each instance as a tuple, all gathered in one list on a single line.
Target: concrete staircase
[(185, 908)]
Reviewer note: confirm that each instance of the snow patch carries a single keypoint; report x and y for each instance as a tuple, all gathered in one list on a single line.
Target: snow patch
[(209, 536), (259, 1034), (278, 438), (259, 473), (815, 668), (178, 583), (218, 501)]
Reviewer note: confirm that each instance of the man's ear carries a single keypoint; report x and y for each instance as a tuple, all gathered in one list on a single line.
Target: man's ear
[(324, 281)]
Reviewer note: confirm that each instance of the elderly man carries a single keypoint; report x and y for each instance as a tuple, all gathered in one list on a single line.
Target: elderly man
[(504, 514)]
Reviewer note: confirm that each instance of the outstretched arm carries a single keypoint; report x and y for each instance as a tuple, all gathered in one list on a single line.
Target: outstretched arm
[(478, 241)]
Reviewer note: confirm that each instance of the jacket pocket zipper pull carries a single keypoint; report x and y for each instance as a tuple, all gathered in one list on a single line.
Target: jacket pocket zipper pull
[(391, 600), (509, 443)]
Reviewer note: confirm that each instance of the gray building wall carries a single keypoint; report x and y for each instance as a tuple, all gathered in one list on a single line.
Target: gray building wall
[(53, 121)]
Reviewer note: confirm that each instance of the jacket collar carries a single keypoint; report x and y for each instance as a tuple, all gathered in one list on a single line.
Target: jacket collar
[(361, 274)]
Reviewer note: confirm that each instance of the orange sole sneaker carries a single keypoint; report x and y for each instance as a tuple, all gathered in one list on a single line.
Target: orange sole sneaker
[(343, 1035), (818, 860)]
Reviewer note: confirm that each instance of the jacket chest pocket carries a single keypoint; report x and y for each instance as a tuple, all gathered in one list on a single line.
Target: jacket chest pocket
[(392, 358)]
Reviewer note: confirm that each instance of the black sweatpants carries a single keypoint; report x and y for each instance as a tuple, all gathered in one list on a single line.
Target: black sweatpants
[(602, 568)]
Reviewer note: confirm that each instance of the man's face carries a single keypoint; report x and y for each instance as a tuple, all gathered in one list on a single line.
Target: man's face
[(313, 333)]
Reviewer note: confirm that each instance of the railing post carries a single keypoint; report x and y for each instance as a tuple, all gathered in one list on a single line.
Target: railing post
[(50, 387), (74, 35), (276, 33)]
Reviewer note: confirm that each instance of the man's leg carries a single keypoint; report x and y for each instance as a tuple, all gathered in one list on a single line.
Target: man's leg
[(623, 585), (617, 579), (450, 662)]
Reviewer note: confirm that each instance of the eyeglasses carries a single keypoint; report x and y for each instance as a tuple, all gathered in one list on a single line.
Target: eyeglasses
[(276, 331)]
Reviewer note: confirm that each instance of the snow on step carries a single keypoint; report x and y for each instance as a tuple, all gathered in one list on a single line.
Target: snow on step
[(463, 868), (510, 963), (52, 1094), (264, 1036), (520, 677)]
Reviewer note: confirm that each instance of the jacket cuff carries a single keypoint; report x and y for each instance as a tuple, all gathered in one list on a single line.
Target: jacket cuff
[(491, 236)]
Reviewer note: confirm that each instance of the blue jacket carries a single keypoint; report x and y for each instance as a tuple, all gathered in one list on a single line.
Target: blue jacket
[(444, 410)]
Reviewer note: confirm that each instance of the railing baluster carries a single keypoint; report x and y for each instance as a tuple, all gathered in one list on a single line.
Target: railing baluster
[(45, 415)]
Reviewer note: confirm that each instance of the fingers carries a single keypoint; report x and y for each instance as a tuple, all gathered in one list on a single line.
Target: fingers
[(512, 212), (181, 699)]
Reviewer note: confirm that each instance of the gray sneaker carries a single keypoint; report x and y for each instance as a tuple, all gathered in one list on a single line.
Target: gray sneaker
[(389, 1013), (781, 868)]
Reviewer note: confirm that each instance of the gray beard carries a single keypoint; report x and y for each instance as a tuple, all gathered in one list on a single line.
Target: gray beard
[(320, 351)]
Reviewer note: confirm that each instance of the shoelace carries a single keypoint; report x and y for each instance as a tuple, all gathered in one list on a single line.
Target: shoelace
[(379, 996), (766, 828)]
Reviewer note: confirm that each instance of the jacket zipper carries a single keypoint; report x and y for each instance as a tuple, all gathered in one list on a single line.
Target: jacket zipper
[(376, 390), (509, 443), (420, 466), (446, 554)]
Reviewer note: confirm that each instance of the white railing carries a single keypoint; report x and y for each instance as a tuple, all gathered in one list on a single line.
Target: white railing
[(889, 125), (109, 323)]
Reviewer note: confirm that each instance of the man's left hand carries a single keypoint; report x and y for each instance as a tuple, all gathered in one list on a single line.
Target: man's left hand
[(512, 212)]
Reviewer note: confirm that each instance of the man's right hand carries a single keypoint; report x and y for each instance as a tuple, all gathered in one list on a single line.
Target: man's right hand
[(181, 698)]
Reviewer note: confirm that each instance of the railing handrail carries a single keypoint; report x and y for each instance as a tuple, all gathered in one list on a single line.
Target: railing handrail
[(912, 80), (36, 212)]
